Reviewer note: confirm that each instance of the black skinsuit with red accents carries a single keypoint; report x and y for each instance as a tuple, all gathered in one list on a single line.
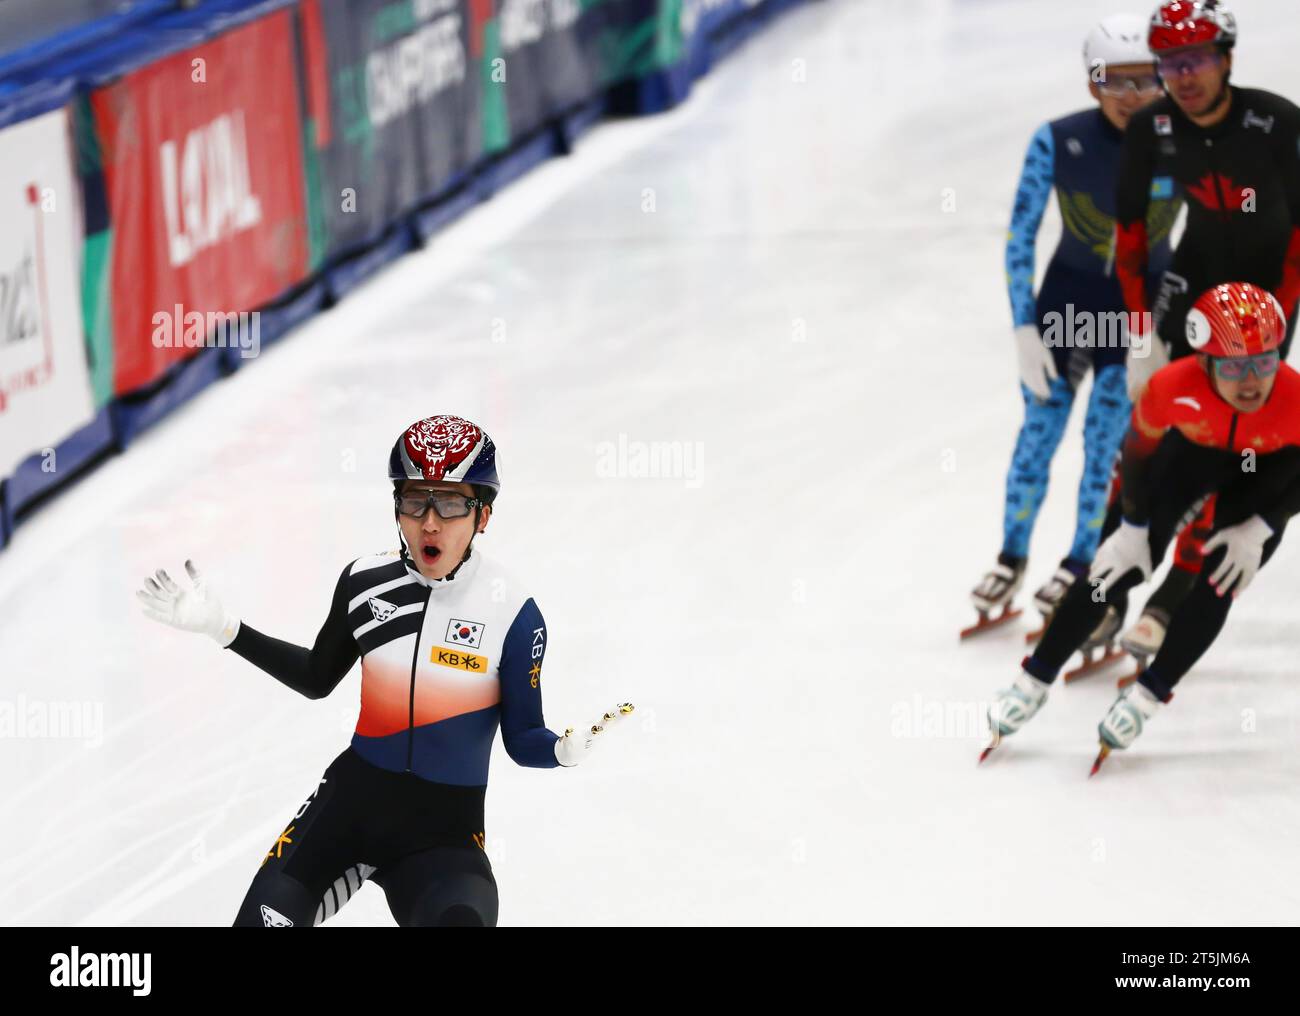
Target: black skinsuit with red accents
[(1241, 179)]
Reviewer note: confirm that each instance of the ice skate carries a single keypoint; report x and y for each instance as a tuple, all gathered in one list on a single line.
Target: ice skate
[(1142, 641), (1049, 597), (994, 593), (1015, 706), (1099, 650), (1124, 722)]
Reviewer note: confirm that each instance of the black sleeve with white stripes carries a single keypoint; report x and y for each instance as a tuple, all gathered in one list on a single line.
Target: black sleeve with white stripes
[(311, 672)]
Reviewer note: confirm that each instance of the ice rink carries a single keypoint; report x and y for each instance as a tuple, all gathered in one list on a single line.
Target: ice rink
[(825, 339)]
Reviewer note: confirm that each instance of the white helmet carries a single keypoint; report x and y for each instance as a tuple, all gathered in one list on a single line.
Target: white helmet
[(1118, 39)]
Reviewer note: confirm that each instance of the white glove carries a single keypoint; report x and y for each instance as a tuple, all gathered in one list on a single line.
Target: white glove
[(573, 748), (198, 609), (1245, 544), (1127, 548), (1147, 353), (1037, 368)]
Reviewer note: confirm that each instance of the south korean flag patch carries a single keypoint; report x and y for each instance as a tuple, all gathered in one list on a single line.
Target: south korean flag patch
[(464, 633), (1164, 125)]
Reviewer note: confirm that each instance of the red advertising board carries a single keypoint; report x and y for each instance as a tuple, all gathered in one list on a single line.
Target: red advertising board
[(203, 167)]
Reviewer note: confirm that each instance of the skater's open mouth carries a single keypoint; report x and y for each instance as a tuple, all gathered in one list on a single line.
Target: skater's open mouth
[(430, 553)]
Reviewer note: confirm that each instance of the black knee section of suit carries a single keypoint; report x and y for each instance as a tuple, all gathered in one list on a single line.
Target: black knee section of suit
[(441, 888), (275, 900), (1192, 630), (457, 901), (1171, 592)]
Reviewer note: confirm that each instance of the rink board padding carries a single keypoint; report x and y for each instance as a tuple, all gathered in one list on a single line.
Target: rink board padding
[(687, 49), (513, 164), (50, 38), (136, 413), (576, 122), (280, 318), (345, 276), (428, 221), (40, 474)]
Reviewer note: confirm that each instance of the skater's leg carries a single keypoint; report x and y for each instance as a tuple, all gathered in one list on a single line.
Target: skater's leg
[(1077, 618), (441, 887), (275, 900), (1084, 605), (1027, 478), (316, 852), (1104, 426), (1194, 626)]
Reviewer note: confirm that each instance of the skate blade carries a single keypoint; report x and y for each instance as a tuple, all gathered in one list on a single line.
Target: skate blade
[(1093, 663), (1101, 757), (989, 749), (985, 623)]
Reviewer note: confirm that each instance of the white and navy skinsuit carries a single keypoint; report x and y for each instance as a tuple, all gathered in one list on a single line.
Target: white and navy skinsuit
[(443, 664)]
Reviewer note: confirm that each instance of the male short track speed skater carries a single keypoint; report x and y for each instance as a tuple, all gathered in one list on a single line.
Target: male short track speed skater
[(451, 647), (1235, 154), (1224, 423), (1078, 156)]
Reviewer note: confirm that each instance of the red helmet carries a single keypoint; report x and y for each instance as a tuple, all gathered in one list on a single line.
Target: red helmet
[(445, 448), (1235, 319), (1184, 23)]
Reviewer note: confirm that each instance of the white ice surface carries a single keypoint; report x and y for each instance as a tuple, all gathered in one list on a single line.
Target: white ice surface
[(799, 305)]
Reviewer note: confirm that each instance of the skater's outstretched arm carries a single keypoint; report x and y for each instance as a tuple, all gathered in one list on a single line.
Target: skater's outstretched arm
[(311, 672)]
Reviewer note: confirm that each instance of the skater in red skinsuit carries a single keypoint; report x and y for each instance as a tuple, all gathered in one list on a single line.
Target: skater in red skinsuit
[(1225, 422)]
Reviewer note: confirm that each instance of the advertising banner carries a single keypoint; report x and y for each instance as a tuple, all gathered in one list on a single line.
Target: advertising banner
[(558, 53), (203, 171), (45, 390), (393, 105)]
